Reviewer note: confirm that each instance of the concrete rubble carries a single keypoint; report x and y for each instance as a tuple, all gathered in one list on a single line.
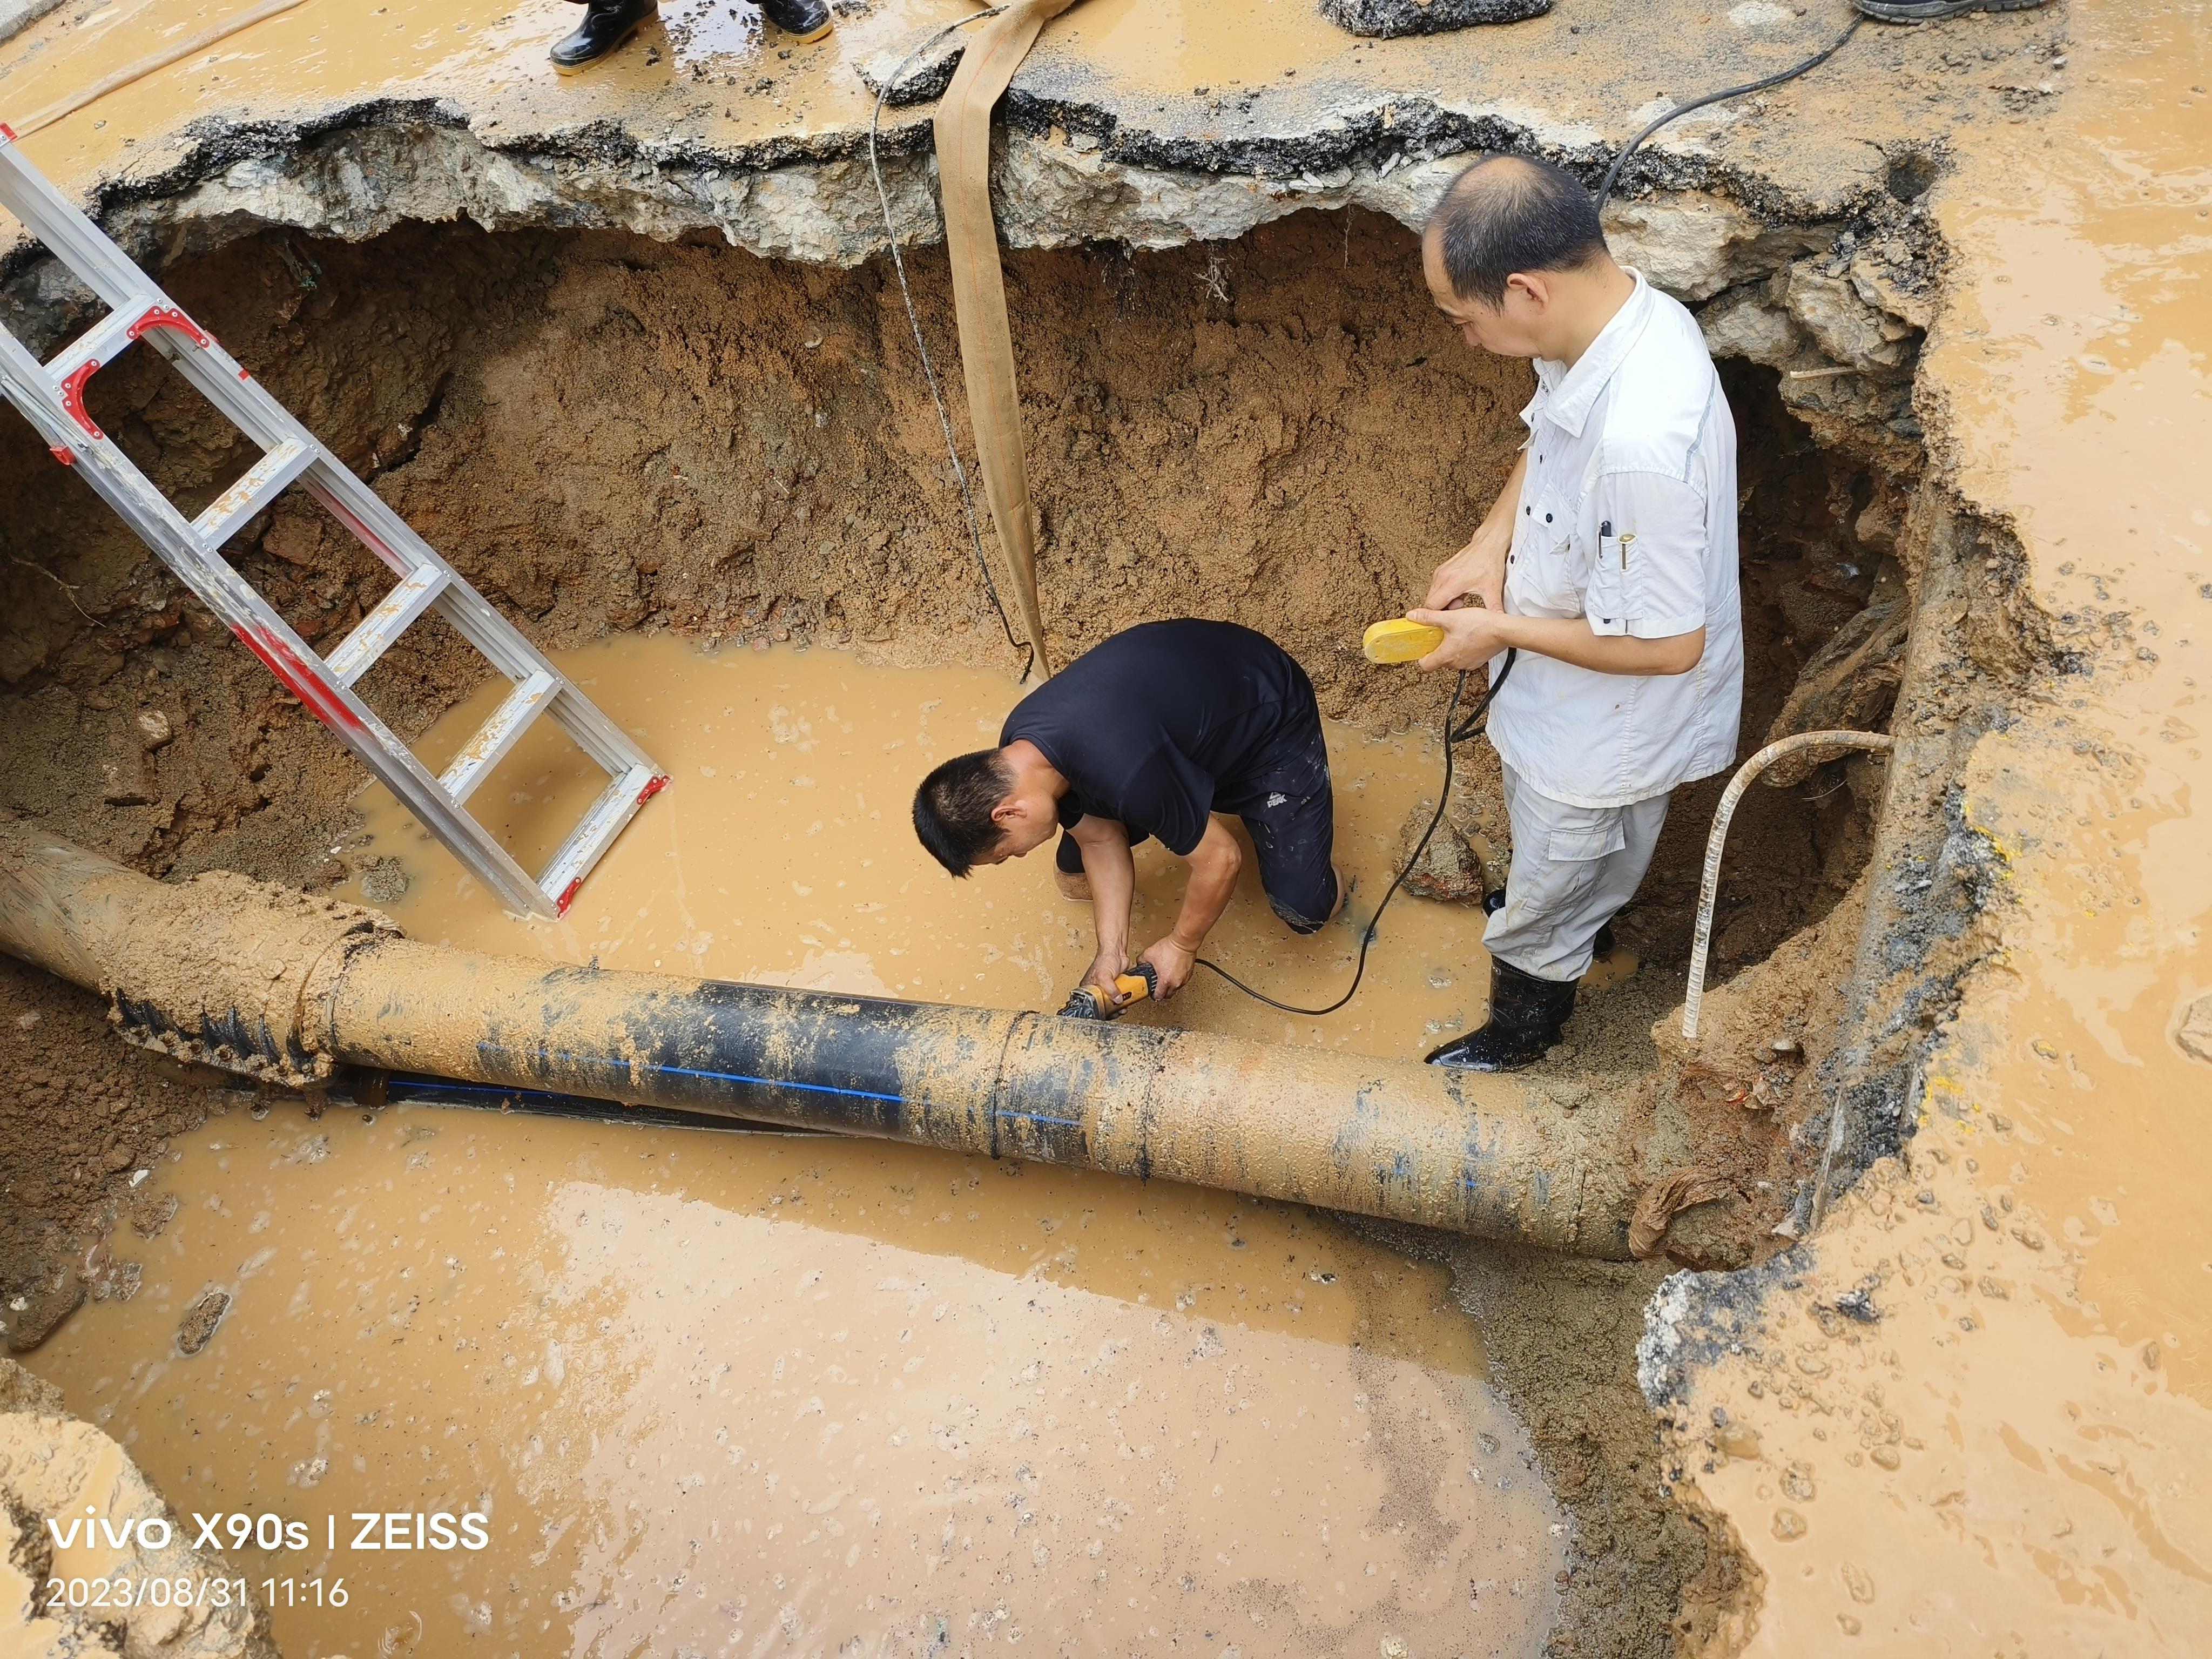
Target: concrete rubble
[(52, 1465)]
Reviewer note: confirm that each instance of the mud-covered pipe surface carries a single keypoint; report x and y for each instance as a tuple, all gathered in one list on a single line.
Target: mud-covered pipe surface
[(279, 984)]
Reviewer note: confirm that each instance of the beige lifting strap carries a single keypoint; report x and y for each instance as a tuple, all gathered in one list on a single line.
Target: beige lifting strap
[(979, 286)]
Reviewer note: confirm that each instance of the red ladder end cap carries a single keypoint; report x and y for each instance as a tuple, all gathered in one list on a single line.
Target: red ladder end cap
[(7, 133), (63, 453), (653, 789), (72, 390), (568, 898)]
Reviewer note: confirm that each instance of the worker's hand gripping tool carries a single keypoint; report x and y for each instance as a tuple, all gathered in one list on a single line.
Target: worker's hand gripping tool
[(1085, 1002)]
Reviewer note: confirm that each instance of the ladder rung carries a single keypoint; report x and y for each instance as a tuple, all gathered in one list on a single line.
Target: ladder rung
[(393, 616), (498, 734), (270, 477), (100, 343), (596, 832), (50, 396)]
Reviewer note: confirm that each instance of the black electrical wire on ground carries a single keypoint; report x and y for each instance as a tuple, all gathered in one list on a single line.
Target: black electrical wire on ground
[(914, 321), (1612, 173), (1453, 735)]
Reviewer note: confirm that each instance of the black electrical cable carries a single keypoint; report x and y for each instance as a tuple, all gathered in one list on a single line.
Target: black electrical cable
[(928, 368), (1453, 736), (1612, 173), (1460, 734)]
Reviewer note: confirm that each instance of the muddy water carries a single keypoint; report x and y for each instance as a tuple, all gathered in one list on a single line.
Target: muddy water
[(724, 1394), (782, 852), (2014, 1458)]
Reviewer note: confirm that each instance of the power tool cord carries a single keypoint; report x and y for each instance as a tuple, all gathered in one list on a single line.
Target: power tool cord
[(1460, 734), (1453, 735), (1612, 173), (913, 322)]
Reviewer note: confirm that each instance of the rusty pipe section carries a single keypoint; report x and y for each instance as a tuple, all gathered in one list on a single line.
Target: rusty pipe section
[(277, 984)]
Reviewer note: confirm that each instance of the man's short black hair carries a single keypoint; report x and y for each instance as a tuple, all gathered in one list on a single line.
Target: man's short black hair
[(1506, 214), (952, 808)]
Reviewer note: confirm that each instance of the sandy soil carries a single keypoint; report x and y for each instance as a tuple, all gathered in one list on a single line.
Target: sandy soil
[(84, 1117)]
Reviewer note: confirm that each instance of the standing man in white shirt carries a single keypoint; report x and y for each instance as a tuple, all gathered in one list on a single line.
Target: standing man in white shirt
[(1609, 562)]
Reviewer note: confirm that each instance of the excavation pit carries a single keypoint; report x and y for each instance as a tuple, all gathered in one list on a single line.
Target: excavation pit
[(714, 484), (1876, 1436)]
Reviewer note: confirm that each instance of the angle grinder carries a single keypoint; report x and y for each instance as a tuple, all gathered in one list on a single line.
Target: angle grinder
[(1085, 1003)]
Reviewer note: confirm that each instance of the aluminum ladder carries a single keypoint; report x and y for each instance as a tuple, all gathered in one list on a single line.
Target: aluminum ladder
[(51, 397)]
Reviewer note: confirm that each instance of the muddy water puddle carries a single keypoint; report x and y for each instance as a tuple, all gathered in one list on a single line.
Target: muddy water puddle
[(722, 1393), (782, 852)]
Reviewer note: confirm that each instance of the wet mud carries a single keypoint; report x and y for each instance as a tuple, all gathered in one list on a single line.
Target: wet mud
[(2003, 1436), (726, 1392)]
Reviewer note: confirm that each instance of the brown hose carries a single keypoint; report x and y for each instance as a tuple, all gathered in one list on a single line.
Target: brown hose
[(979, 286)]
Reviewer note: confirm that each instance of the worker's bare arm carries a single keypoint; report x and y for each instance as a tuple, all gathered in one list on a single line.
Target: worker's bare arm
[(1113, 874), (1471, 638), (1214, 863), (1478, 570)]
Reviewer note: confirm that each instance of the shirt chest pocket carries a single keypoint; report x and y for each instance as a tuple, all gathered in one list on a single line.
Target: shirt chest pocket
[(1550, 566)]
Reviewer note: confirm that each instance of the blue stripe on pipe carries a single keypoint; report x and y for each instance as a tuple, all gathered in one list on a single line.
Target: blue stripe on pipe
[(719, 1077), (772, 1083)]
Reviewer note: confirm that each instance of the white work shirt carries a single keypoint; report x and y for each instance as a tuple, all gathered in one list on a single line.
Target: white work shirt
[(1627, 517)]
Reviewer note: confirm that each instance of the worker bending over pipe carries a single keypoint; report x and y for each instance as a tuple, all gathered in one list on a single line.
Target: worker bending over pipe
[(1162, 730), (1609, 560)]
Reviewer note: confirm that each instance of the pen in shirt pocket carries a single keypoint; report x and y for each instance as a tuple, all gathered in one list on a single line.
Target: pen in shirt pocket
[(1605, 533)]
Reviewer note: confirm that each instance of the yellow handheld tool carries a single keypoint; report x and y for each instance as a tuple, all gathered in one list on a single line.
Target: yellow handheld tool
[(1085, 1003), (1401, 640)]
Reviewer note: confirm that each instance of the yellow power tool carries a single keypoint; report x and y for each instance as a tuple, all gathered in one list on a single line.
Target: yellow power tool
[(1398, 640), (1085, 1003)]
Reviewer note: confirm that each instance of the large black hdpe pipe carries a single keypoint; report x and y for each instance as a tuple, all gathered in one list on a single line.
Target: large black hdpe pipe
[(287, 988)]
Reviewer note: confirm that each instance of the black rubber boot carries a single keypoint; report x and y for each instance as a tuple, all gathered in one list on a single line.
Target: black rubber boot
[(1928, 11), (606, 25), (1528, 1016), (806, 20)]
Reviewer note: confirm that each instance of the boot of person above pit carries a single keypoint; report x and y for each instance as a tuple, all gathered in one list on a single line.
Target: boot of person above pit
[(1608, 562), (608, 23)]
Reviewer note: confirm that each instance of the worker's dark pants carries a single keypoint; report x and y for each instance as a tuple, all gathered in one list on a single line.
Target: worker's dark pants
[(1290, 811)]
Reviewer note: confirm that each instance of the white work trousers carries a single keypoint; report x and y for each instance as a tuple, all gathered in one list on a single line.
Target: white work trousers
[(1573, 867)]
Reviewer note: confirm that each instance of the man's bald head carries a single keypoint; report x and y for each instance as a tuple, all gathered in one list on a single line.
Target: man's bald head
[(1507, 214)]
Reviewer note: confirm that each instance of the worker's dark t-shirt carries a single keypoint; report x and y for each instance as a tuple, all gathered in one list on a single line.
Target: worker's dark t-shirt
[(1161, 724)]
